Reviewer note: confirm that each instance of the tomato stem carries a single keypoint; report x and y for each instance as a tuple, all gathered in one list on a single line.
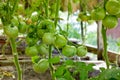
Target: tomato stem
[(105, 55), (50, 64), (16, 61), (46, 8), (57, 11)]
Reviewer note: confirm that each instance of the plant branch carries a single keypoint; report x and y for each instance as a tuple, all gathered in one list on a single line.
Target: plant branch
[(50, 64), (15, 54)]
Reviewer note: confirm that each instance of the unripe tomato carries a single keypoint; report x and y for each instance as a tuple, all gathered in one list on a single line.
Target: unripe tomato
[(118, 15), (31, 41), (81, 51), (48, 38), (98, 14), (11, 31), (83, 16), (31, 51), (40, 33), (110, 21), (15, 21), (34, 16), (60, 41), (43, 49), (69, 51), (41, 66), (113, 7), (22, 27), (46, 25), (20, 8)]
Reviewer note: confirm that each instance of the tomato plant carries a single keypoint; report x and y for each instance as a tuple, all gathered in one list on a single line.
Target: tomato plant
[(39, 20)]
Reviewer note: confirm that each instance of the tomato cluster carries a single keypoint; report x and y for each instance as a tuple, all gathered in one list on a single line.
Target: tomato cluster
[(109, 15)]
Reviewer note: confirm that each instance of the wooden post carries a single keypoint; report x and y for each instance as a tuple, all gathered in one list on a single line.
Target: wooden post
[(99, 41)]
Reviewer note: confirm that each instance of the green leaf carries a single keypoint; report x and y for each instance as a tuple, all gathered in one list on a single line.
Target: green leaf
[(35, 59), (55, 59), (59, 72), (68, 76), (90, 67), (69, 62)]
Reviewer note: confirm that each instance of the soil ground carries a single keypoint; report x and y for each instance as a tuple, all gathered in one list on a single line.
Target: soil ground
[(9, 73)]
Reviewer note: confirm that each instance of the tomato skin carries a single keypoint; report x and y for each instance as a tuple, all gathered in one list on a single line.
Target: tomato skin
[(20, 8), (40, 33), (118, 15), (31, 41), (48, 38), (43, 49), (11, 31), (84, 17), (41, 66), (15, 21), (44, 27), (69, 51), (81, 51), (98, 14), (113, 7), (60, 41), (31, 51), (110, 21)]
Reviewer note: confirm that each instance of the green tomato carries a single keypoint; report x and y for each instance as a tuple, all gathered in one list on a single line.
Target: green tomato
[(40, 33), (118, 15), (84, 17), (31, 41), (34, 17), (11, 31), (46, 25), (43, 49), (48, 38), (60, 41), (69, 51), (113, 7), (81, 51), (20, 8), (31, 51), (98, 14), (15, 21), (41, 66), (110, 21), (22, 27)]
